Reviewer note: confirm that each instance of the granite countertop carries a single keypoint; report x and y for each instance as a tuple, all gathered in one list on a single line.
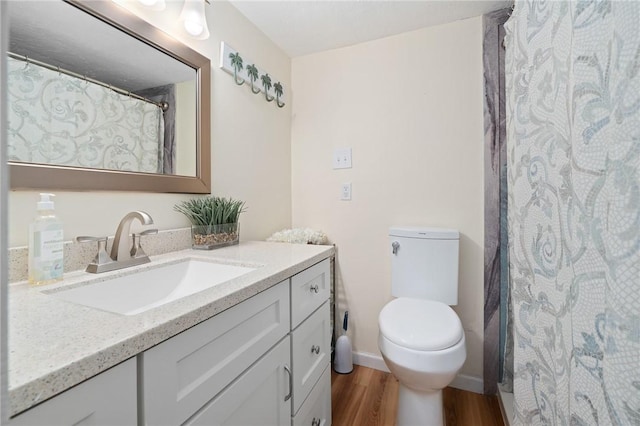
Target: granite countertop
[(54, 344)]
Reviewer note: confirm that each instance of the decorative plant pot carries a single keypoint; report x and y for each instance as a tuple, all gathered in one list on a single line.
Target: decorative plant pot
[(209, 237)]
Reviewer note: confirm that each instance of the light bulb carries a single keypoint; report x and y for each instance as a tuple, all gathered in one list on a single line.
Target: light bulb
[(153, 4), (193, 19)]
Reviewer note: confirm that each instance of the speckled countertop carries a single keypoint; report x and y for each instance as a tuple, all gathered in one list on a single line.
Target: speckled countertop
[(54, 344)]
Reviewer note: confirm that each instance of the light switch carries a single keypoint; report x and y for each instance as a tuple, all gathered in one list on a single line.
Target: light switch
[(342, 158)]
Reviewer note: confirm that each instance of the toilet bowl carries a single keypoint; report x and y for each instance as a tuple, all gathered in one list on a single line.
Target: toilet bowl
[(422, 342)]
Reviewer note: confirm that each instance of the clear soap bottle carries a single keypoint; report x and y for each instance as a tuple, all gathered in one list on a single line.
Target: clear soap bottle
[(46, 252)]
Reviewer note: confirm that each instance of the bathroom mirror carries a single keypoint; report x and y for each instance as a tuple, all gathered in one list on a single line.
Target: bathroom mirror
[(99, 99)]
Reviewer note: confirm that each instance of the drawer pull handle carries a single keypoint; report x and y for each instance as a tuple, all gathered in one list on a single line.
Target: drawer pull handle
[(314, 288), (315, 422), (315, 349), (286, 368)]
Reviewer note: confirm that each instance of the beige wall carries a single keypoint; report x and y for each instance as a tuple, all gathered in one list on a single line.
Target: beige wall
[(251, 157), (185, 130), (410, 107)]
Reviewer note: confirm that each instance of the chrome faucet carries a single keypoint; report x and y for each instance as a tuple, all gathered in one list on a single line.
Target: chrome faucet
[(123, 252)]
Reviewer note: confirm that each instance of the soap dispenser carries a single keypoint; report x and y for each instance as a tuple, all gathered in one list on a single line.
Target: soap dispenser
[(46, 251)]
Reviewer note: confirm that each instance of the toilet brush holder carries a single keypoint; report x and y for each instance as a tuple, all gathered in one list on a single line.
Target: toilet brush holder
[(343, 361)]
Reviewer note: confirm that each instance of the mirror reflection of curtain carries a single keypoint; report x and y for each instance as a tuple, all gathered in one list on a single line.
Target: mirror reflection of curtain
[(573, 140), (54, 118), (166, 94)]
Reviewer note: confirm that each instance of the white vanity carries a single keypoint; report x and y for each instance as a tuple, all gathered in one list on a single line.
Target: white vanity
[(252, 351)]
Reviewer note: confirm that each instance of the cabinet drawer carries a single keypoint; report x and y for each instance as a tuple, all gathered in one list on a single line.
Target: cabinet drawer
[(184, 373), (316, 410), (106, 399), (309, 289), (310, 353), (257, 398)]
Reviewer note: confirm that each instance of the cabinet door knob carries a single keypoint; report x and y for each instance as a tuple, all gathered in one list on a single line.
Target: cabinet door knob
[(315, 422), (315, 349), (314, 288), (288, 396)]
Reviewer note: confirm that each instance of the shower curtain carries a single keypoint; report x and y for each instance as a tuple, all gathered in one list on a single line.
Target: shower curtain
[(573, 141), (54, 118)]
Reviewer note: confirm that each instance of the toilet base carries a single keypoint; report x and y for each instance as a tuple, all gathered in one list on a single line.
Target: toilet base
[(419, 408)]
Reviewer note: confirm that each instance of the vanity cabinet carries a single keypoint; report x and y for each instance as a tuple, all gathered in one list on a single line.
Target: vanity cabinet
[(106, 399), (184, 374), (316, 410), (262, 362), (311, 345), (259, 397)]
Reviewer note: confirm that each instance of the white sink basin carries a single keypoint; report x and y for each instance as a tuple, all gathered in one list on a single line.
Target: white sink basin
[(140, 291)]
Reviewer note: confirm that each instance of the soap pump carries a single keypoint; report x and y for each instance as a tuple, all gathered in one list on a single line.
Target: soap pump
[(46, 255)]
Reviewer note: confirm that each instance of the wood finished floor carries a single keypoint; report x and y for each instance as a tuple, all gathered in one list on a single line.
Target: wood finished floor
[(368, 397)]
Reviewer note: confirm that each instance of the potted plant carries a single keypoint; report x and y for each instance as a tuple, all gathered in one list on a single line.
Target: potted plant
[(214, 221)]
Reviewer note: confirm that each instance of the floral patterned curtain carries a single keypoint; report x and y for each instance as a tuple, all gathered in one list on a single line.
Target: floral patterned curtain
[(58, 119), (573, 141)]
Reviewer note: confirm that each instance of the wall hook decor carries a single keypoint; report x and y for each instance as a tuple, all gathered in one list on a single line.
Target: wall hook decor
[(233, 63), (277, 88), (236, 63), (266, 83), (252, 72)]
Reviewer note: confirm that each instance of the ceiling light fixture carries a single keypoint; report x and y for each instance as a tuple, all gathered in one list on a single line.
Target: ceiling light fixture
[(154, 4), (194, 20)]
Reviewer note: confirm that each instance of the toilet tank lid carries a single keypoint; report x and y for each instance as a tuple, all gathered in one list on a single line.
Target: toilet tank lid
[(427, 233)]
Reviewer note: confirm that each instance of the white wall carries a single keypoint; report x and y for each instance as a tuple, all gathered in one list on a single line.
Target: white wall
[(410, 106), (251, 157)]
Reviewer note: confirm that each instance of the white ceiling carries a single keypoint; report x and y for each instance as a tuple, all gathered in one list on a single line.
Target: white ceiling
[(301, 27)]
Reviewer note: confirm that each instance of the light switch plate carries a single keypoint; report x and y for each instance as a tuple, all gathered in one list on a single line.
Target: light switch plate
[(342, 158)]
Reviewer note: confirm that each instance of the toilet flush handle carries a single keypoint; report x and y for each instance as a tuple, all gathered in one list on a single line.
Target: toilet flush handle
[(395, 245)]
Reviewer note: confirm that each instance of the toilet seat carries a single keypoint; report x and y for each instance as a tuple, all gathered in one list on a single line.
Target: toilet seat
[(420, 324)]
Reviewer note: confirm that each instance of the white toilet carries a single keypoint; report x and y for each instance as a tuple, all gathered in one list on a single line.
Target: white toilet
[(421, 338)]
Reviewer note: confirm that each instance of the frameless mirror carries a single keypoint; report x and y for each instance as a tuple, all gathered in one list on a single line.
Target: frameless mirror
[(99, 99)]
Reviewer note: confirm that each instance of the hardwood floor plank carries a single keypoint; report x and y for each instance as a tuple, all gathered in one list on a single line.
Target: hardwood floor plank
[(389, 407), (368, 397), (369, 411)]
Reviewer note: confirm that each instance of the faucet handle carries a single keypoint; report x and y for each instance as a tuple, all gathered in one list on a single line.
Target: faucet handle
[(102, 257), (136, 248)]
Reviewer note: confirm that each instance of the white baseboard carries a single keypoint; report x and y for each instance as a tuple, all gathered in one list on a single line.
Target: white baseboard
[(468, 383), (462, 381), (370, 360), (506, 405)]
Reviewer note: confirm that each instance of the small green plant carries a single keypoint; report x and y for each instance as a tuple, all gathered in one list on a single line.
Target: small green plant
[(214, 221), (211, 210)]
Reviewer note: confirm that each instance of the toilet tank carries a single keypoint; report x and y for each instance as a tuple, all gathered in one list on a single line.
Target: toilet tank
[(425, 263)]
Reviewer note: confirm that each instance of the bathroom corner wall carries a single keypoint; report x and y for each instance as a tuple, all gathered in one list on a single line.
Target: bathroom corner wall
[(411, 108), (251, 152)]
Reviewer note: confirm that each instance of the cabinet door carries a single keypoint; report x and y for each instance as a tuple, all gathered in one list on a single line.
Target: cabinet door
[(184, 373), (106, 399), (311, 353), (309, 289), (316, 410), (259, 397)]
